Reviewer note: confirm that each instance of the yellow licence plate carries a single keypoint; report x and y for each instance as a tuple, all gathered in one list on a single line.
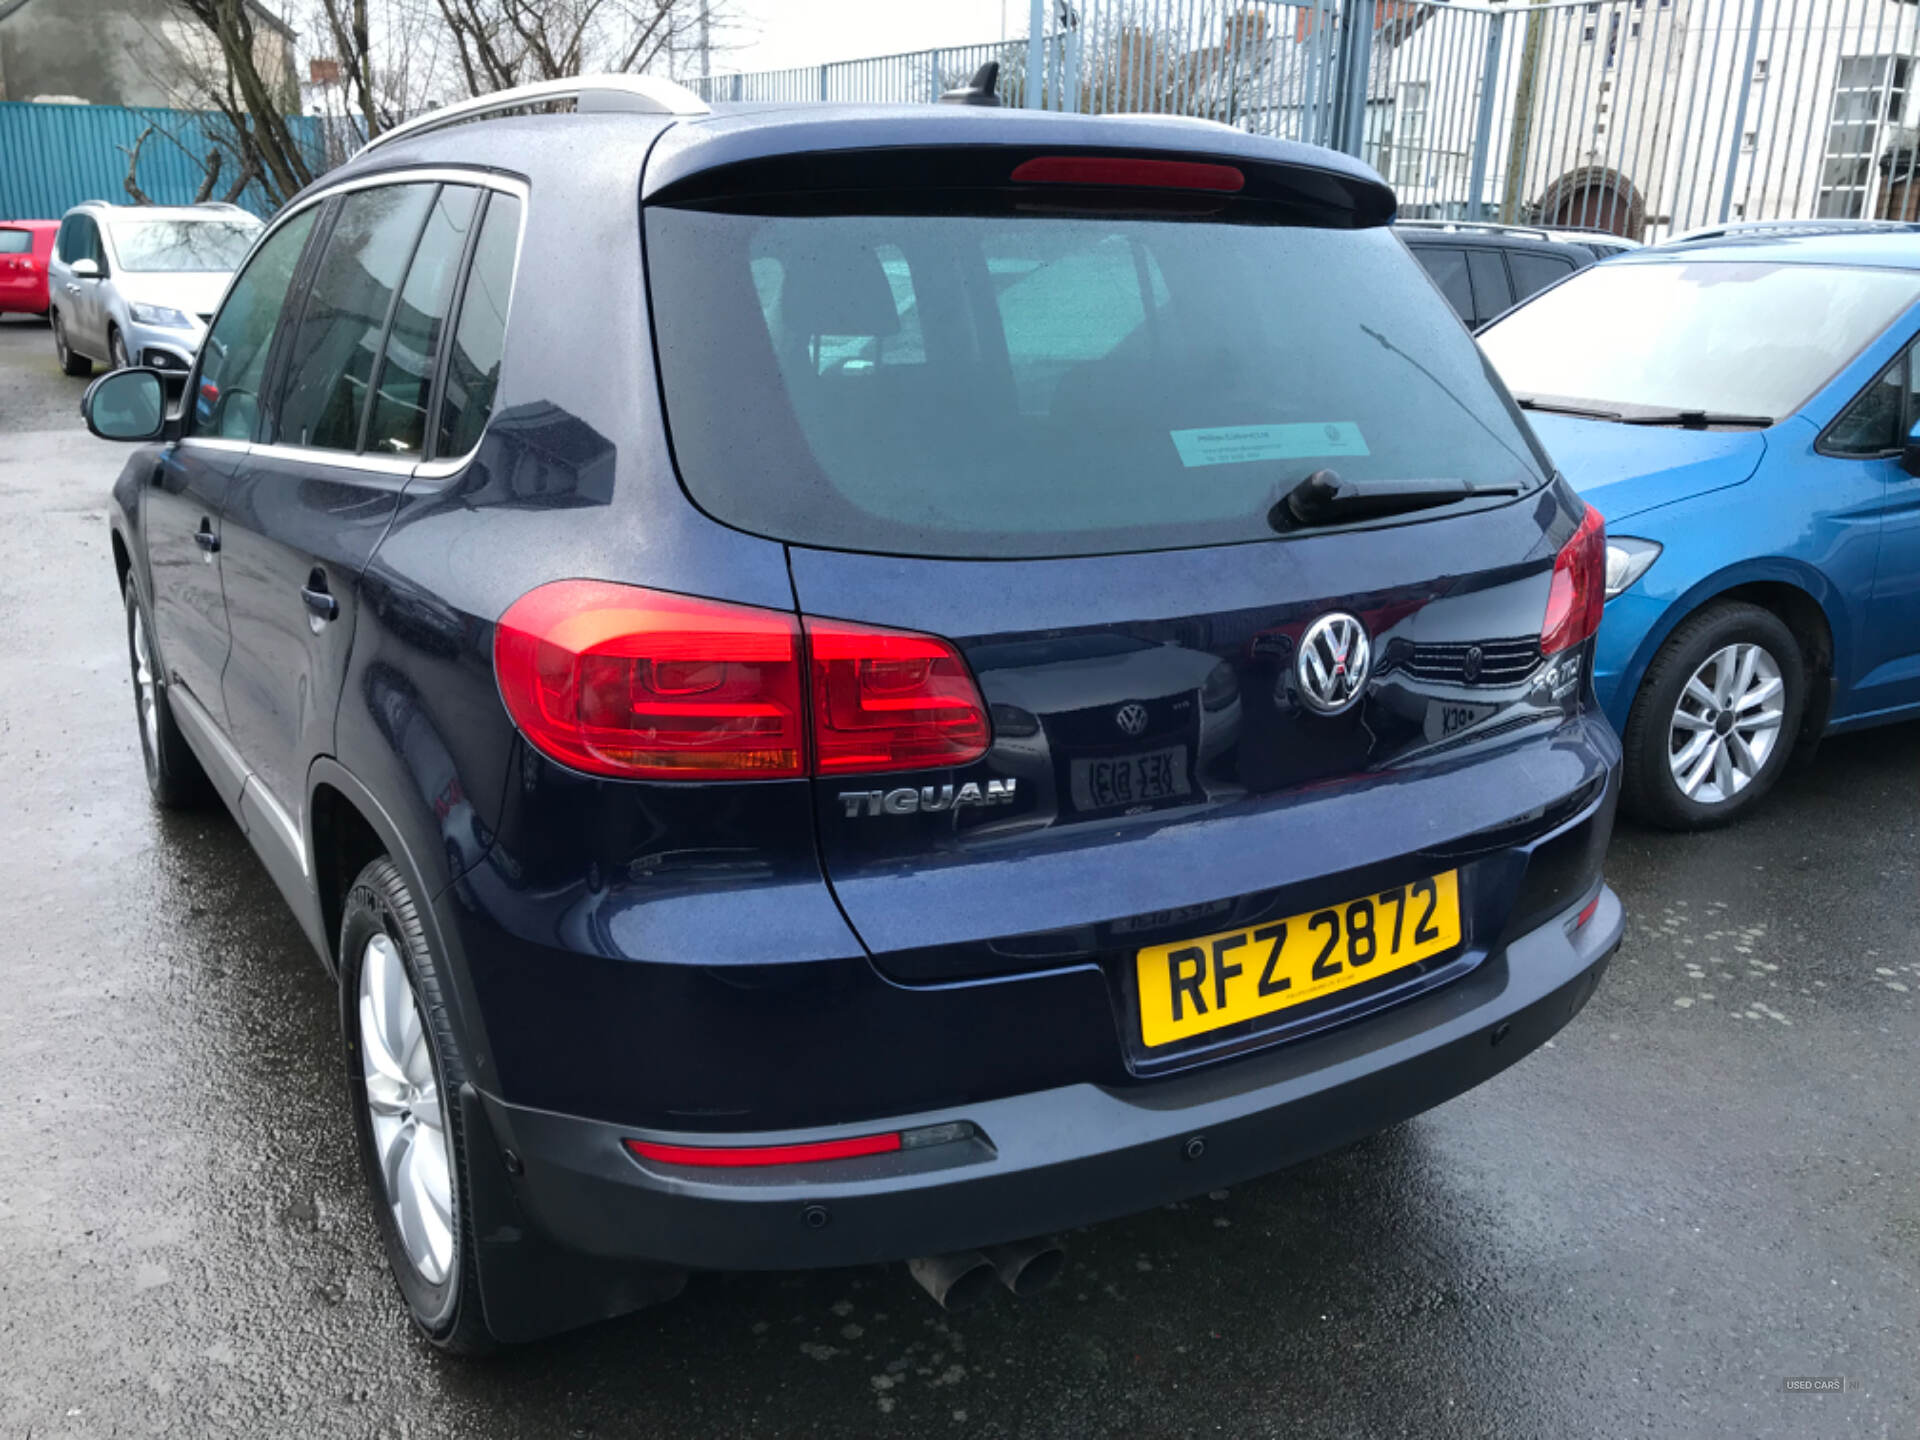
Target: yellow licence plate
[(1200, 985)]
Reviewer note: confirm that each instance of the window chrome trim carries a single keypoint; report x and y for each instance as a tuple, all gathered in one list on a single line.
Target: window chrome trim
[(410, 175), (214, 442), (442, 467), (345, 459)]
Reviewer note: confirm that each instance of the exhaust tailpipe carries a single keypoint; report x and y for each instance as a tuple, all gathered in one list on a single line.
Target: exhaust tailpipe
[(956, 1282), (1026, 1267)]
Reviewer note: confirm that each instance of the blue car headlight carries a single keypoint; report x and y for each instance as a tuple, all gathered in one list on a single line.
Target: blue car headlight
[(1627, 560), (164, 316)]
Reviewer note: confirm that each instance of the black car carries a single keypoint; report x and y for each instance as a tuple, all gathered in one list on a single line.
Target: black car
[(842, 684), (1485, 270)]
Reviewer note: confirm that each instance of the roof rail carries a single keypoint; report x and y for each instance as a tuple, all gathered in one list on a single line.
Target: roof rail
[(644, 94), (1836, 225), (1531, 232)]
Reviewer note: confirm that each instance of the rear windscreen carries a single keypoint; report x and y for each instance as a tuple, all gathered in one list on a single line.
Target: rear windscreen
[(1031, 386), (16, 242)]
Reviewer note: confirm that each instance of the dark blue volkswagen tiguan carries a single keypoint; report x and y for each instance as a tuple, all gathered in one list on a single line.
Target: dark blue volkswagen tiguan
[(846, 684)]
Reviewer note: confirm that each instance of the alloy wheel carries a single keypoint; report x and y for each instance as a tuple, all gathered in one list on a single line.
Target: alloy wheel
[(59, 338), (405, 1105), (145, 690), (1726, 723), (119, 347)]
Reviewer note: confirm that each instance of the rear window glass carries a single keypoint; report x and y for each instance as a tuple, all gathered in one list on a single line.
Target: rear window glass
[(15, 242), (1013, 386)]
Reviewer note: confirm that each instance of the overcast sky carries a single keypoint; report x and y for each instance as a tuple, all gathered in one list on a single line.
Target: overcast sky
[(773, 34)]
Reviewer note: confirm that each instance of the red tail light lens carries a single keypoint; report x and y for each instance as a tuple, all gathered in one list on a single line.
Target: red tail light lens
[(616, 680), (740, 1156), (1123, 171), (1579, 590), (889, 700)]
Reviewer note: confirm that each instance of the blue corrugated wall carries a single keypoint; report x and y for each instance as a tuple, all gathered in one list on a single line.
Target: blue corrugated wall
[(54, 156)]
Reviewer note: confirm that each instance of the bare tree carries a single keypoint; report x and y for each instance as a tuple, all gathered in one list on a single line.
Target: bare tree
[(254, 107), (211, 165), (394, 57), (510, 42)]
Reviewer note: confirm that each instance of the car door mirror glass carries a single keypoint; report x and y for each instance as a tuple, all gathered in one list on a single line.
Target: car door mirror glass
[(85, 270), (126, 405), (1910, 452)]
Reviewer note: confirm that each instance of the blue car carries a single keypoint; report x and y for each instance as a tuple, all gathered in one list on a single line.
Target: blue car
[(1742, 413)]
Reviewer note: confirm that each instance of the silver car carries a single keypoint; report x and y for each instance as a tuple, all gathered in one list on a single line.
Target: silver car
[(137, 284)]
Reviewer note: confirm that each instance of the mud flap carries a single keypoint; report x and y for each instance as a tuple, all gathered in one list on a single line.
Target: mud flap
[(529, 1287)]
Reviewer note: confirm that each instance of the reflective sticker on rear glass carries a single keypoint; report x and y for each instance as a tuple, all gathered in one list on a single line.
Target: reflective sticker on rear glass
[(1236, 444)]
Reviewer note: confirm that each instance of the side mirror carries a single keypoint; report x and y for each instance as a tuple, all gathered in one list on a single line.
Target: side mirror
[(1910, 453), (127, 405), (85, 269)]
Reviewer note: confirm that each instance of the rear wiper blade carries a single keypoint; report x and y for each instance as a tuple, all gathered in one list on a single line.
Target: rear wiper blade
[(1554, 407), (1323, 498), (1698, 419)]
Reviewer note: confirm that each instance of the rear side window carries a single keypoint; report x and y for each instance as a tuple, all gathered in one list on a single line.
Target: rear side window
[(331, 363), (15, 242), (999, 385), (479, 339), (226, 397), (398, 425), (1535, 272), (1490, 293), (1448, 267)]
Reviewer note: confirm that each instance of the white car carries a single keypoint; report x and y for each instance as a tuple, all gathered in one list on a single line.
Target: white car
[(136, 284)]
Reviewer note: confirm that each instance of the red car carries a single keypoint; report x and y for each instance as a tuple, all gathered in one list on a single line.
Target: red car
[(24, 248)]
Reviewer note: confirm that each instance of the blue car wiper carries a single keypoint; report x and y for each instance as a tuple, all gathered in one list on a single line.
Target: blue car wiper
[(1698, 419), (1554, 407)]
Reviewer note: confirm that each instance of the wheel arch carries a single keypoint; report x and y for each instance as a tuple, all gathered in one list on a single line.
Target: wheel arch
[(1805, 601), (347, 827), (122, 559)]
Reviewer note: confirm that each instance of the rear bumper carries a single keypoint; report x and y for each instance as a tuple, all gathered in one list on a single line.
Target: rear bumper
[(1054, 1159)]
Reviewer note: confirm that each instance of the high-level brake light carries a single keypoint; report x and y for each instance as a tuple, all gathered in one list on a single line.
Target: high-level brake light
[(1126, 172)]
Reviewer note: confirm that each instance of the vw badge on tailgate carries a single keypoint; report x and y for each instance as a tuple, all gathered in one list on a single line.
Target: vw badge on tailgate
[(1333, 662)]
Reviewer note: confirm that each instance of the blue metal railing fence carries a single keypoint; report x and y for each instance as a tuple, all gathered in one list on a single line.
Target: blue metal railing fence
[(52, 157)]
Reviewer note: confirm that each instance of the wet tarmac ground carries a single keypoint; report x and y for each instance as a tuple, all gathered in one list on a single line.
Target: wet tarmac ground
[(1709, 1183)]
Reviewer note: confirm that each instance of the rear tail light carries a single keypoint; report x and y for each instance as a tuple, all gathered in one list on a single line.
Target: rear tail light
[(617, 680), (888, 700), (1579, 589)]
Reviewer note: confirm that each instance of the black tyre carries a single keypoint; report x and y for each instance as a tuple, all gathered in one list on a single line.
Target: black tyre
[(404, 1072), (1715, 719), (71, 360), (117, 348), (174, 775)]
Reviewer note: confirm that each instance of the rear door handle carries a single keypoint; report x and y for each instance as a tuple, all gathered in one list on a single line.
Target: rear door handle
[(206, 539)]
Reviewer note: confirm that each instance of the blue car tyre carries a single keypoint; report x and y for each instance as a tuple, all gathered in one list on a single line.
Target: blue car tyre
[(1715, 720), (404, 1074)]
